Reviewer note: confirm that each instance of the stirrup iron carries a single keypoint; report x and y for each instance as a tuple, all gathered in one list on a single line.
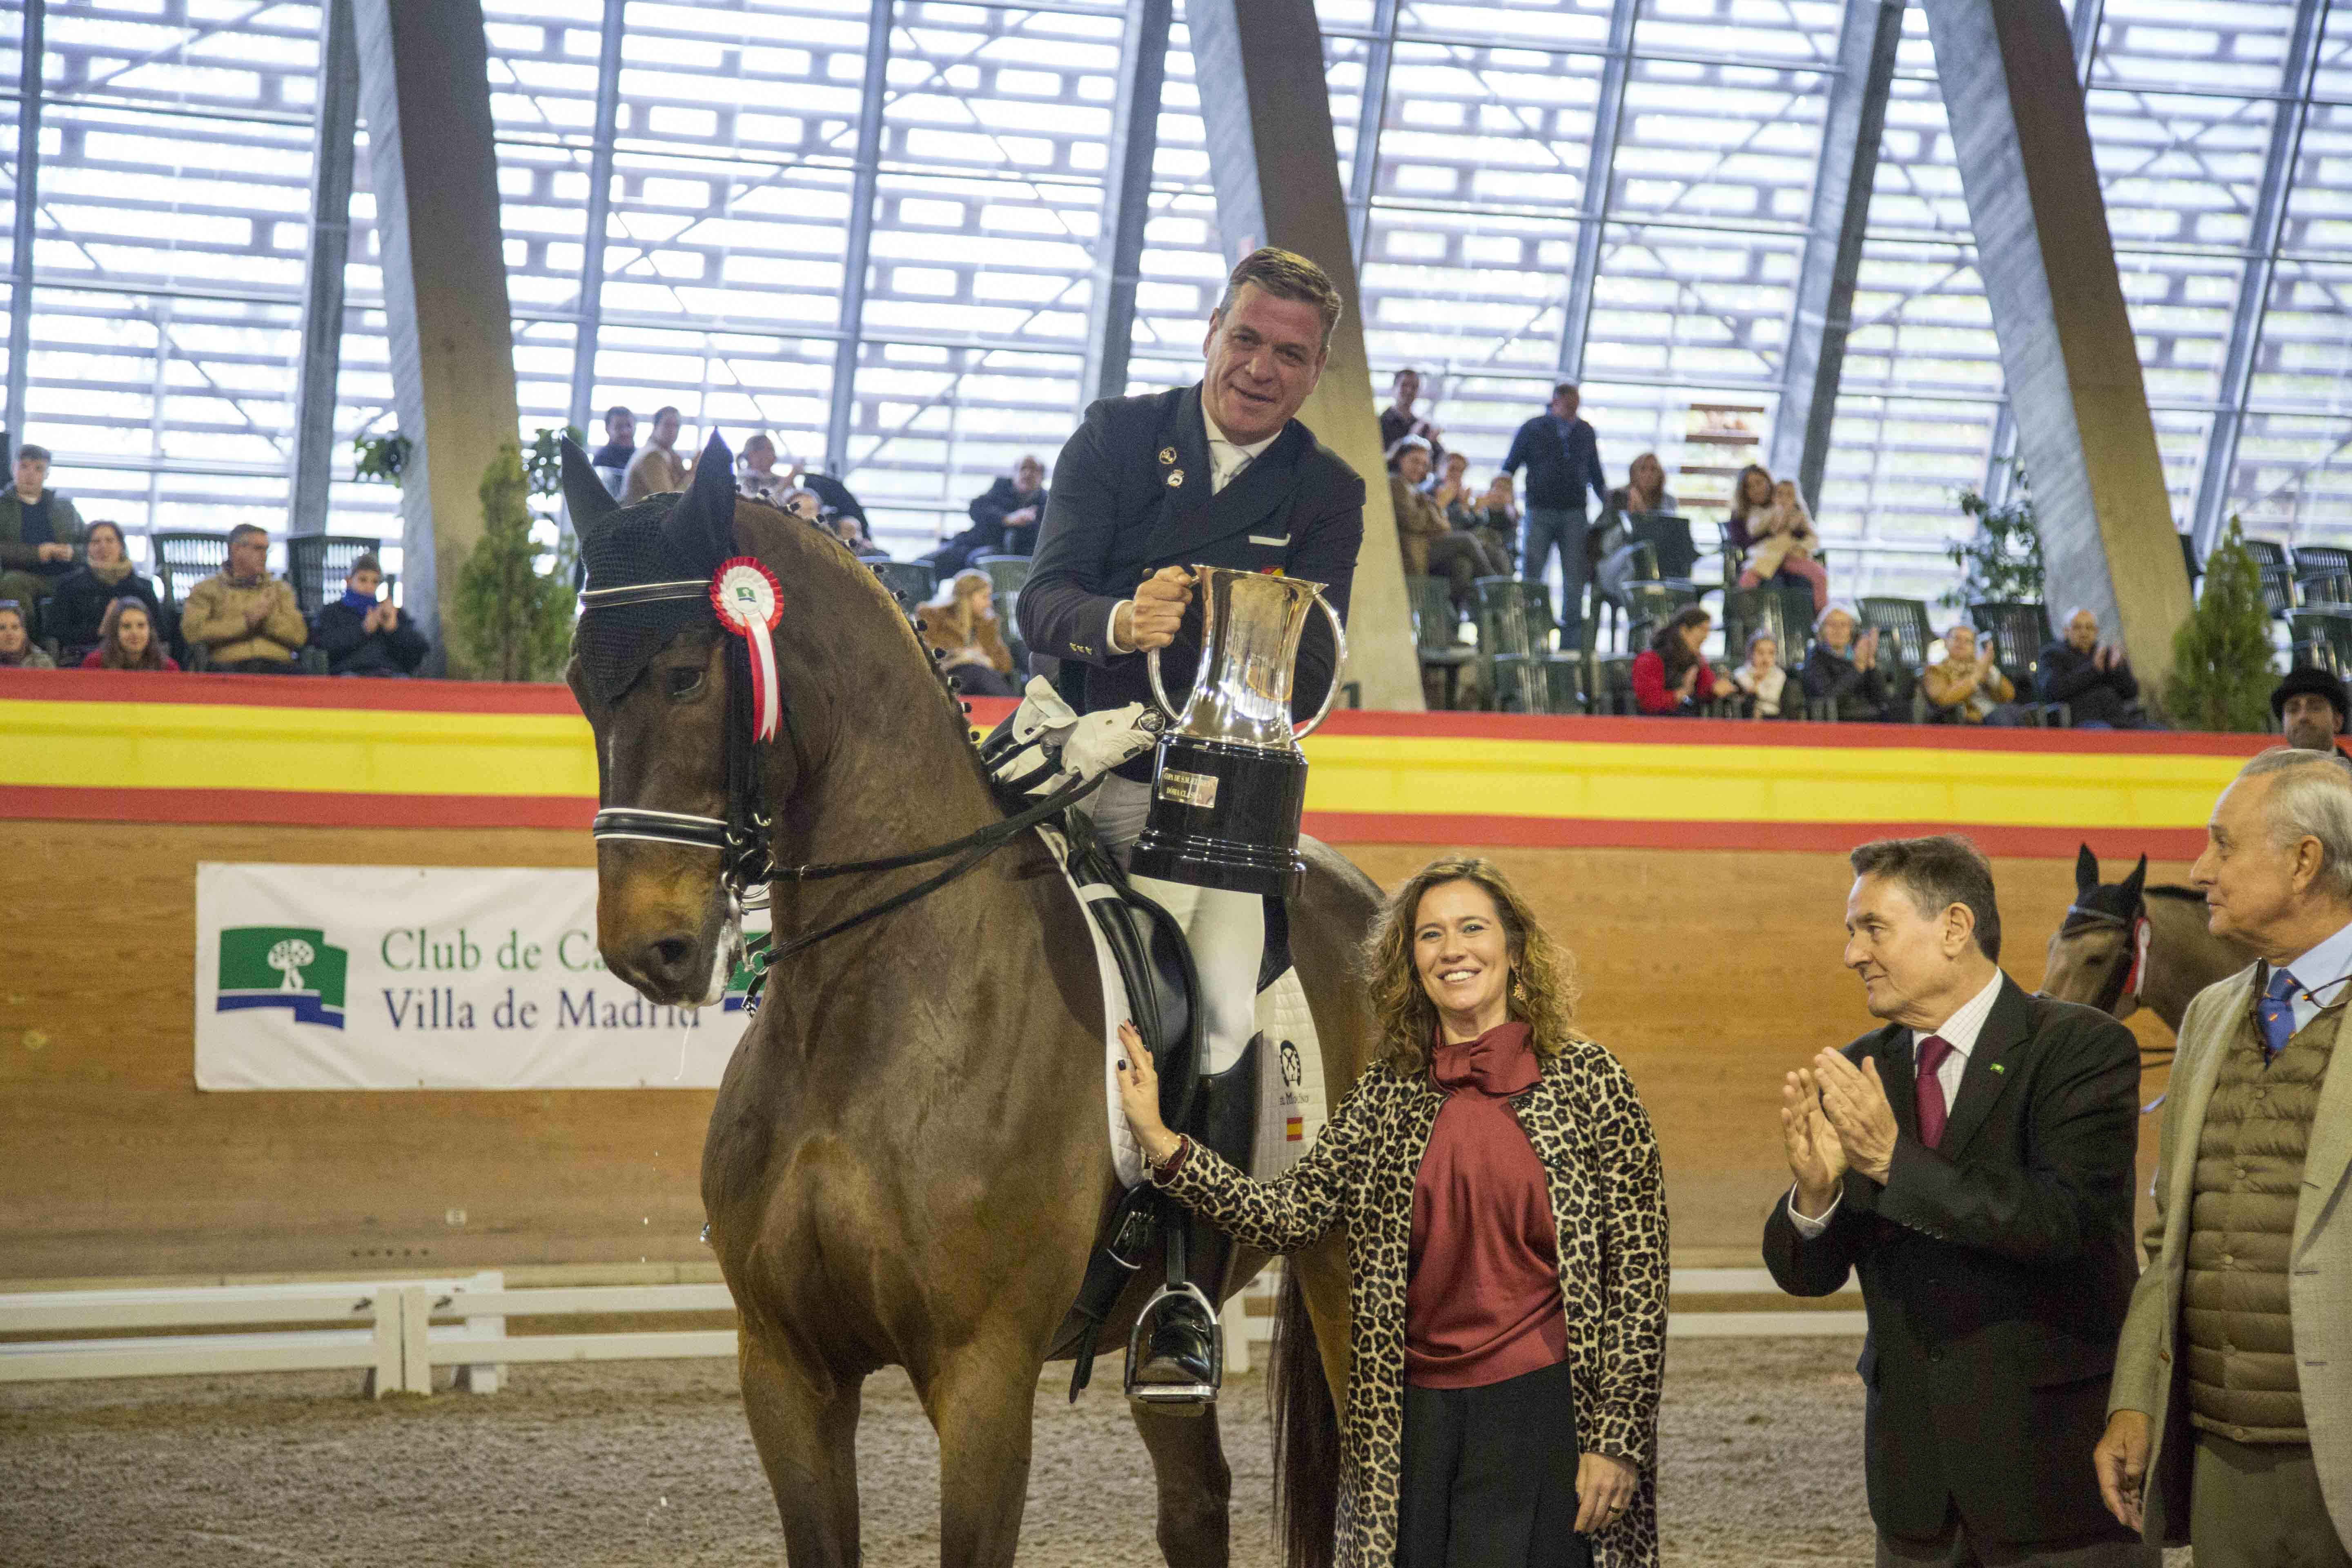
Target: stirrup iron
[(1194, 1395)]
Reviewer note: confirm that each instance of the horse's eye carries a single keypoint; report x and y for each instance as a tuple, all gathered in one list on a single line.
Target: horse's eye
[(685, 681)]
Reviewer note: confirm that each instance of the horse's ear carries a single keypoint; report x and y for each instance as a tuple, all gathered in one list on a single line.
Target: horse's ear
[(707, 515), (2133, 883), (590, 503), (2087, 870)]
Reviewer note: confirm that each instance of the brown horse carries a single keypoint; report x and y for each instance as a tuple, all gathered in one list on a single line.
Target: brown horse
[(909, 1163), (2094, 956)]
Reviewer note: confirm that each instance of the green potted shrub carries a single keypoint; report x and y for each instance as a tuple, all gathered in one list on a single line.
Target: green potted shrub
[(2221, 657), (512, 614)]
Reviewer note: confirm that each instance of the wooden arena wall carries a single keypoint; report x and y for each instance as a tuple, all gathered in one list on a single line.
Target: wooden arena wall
[(1696, 870)]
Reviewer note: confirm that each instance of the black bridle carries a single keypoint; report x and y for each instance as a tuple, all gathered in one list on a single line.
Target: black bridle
[(744, 835), (2111, 991)]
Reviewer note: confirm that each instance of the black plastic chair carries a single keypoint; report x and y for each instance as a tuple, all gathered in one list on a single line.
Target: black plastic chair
[(2019, 633), (318, 564), (1514, 633), (2279, 595), (1649, 605), (186, 557), (1437, 633), (1903, 631), (2322, 560), (2325, 588), (2322, 637), (1747, 611), (909, 581)]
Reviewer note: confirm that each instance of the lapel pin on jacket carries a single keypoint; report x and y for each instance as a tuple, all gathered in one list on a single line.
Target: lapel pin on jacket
[(2000, 1067), (1167, 457), (1175, 478)]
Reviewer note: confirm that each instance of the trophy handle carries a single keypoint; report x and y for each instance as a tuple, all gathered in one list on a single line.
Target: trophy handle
[(1339, 658), (1160, 693)]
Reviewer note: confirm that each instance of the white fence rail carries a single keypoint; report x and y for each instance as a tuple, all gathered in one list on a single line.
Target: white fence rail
[(399, 1331)]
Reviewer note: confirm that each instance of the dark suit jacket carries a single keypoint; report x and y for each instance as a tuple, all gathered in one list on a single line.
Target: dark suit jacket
[(1996, 1269), (988, 535), (1115, 519)]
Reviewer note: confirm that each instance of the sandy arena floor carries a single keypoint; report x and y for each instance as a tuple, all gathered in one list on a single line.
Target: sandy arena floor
[(650, 1464)]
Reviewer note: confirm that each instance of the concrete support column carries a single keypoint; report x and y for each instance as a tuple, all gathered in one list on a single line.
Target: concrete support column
[(2007, 68), (425, 90), (330, 248), (1815, 357), (1268, 115)]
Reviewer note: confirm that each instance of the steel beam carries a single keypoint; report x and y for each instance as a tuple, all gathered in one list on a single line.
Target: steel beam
[(1127, 198), (2261, 269), (1268, 118), (2007, 70), (28, 200), (425, 93), (1363, 167), (590, 314), (330, 247), (865, 180), (1815, 357), (1608, 114)]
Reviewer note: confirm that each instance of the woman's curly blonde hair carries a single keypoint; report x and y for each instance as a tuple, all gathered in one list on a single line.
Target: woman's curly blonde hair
[(1543, 991)]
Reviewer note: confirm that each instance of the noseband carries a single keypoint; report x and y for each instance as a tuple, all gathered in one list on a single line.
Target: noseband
[(742, 836), (2129, 976)]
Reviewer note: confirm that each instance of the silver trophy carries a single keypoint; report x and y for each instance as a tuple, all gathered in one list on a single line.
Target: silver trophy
[(1229, 781)]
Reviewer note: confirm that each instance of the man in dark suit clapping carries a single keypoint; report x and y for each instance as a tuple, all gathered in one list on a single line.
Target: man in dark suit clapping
[(1974, 1161), (1220, 473)]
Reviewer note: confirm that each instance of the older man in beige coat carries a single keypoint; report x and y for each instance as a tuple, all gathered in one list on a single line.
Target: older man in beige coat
[(2230, 1419)]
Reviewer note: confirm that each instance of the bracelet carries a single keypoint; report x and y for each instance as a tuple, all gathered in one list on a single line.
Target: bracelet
[(1159, 1168)]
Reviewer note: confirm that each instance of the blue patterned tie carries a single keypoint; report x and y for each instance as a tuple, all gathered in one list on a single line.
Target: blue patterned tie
[(2276, 1010)]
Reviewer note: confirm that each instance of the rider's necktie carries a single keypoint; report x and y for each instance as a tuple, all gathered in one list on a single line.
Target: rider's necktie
[(1930, 1090), (2276, 1010)]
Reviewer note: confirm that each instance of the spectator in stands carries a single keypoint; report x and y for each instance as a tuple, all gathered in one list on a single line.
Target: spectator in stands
[(128, 640), (833, 496), (1968, 687), (1670, 678), (1563, 461), (1643, 493), (17, 648), (1495, 517), (2311, 706), (1764, 682), (1784, 543), (1004, 522), (620, 438), (962, 626), (1432, 549), (1451, 491), (76, 611), (2093, 680), (802, 504), (1398, 420), (1750, 493), (756, 474), (39, 532), (656, 470), (1842, 668), (247, 618), (851, 532), (362, 634)]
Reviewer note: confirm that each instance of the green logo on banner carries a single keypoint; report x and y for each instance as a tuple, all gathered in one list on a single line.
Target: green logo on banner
[(282, 966), (739, 979)]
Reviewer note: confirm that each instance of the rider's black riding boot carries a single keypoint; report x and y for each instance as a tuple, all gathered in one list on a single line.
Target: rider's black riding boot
[(1182, 1364)]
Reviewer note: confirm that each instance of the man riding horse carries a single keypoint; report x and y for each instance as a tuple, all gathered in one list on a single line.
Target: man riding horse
[(1220, 473)]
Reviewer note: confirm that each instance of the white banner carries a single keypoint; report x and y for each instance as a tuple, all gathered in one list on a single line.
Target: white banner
[(412, 977)]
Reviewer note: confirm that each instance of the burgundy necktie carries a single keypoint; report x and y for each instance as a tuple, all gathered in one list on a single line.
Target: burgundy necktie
[(1930, 1090)]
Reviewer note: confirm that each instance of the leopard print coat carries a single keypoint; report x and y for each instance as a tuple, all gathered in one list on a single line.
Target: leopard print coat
[(1608, 1201)]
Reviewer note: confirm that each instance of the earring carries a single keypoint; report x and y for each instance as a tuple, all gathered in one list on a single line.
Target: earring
[(1518, 989)]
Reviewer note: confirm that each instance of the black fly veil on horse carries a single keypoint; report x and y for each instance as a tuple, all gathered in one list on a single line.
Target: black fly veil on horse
[(649, 565)]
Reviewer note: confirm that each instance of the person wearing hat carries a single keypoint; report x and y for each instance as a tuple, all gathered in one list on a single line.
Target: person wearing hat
[(2310, 706)]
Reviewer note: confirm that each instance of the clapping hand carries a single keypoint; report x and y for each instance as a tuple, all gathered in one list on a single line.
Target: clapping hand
[(55, 551), (1150, 619), (1854, 1101), (1816, 1157)]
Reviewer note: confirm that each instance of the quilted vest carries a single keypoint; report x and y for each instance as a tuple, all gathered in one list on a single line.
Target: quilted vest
[(2234, 1319)]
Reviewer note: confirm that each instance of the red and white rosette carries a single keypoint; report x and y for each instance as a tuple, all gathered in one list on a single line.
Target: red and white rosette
[(750, 603)]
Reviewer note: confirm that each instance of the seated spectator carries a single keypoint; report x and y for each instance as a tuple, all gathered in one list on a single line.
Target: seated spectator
[(2095, 680), (362, 634), (851, 531), (39, 532), (84, 598), (656, 468), (961, 625), (620, 445), (1494, 518), (1764, 682), (1670, 679), (762, 462), (1842, 668), (128, 640), (756, 473), (1968, 687), (1643, 494), (17, 648), (1004, 522), (245, 618), (1785, 544), (1431, 546), (1451, 491)]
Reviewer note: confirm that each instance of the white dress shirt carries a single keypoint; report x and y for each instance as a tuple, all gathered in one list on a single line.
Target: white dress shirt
[(2329, 965), (1226, 460), (1960, 1031)]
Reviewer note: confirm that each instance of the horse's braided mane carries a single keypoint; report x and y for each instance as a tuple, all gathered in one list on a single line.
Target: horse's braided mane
[(2172, 890)]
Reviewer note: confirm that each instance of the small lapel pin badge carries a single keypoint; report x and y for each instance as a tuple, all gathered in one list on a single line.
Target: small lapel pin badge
[(1175, 478), (1998, 1066), (1167, 455)]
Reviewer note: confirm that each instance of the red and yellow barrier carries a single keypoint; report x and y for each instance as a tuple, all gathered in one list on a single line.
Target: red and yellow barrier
[(77, 745)]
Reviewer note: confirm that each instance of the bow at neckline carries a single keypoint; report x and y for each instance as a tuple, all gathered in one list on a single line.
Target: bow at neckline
[(1497, 1063)]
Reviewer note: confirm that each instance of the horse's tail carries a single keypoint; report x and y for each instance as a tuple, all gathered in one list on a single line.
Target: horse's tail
[(1305, 1436)]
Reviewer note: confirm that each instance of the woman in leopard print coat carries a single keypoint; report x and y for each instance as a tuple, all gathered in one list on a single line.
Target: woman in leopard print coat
[(1600, 1167)]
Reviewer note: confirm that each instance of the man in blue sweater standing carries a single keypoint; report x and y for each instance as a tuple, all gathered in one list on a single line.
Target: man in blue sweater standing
[(1562, 461)]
